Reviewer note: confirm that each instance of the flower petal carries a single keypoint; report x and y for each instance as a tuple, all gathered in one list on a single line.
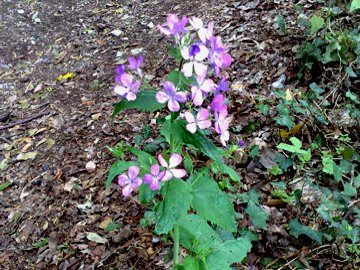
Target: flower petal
[(204, 124), (200, 69), (121, 90), (191, 127), (173, 105), (208, 85), (162, 97), (189, 117), (155, 169), (126, 80), (185, 53), (136, 183), (154, 184), (167, 176), (162, 161), (203, 114), (127, 190), (169, 88), (202, 54), (197, 96), (224, 137), (130, 96), (180, 96), (133, 172), (135, 86), (196, 23), (178, 173), (174, 160), (163, 30), (123, 180), (148, 178), (188, 69)]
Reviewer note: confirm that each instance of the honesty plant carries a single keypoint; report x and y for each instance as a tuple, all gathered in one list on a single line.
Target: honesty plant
[(195, 98)]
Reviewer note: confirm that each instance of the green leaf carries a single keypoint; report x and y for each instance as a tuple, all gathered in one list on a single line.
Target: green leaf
[(281, 23), (145, 101), (317, 89), (230, 252), (117, 168), (4, 185), (316, 23), (296, 229), (41, 243), (144, 158), (177, 129), (188, 165), (355, 4), (231, 172), (197, 236), (178, 78), (254, 151), (176, 203), (112, 226), (264, 108), (285, 120), (349, 71), (327, 162), (349, 190), (210, 202), (190, 263), (257, 214), (146, 195)]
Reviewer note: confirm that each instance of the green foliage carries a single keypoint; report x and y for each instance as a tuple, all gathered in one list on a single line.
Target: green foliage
[(281, 23), (295, 148), (296, 229), (145, 101), (177, 198), (355, 4), (208, 201), (117, 168), (316, 23)]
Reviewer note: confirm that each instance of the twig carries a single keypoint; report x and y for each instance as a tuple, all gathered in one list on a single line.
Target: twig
[(24, 121)]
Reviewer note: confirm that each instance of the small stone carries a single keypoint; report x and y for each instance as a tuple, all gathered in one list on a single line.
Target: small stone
[(20, 11), (90, 166)]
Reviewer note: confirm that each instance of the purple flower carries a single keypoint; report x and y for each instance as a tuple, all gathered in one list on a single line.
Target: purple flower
[(203, 88), (171, 96), (203, 33), (222, 124), (175, 26), (223, 85), (154, 177), (241, 143), (218, 103), (170, 170), (202, 120), (218, 56), (119, 71), (128, 88), (131, 181), (136, 63), (196, 54)]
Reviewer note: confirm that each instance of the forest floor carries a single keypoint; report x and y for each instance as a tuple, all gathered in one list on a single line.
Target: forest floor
[(54, 133)]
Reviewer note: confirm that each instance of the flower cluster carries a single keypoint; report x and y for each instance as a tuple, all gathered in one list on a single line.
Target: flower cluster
[(204, 55), (130, 181), (126, 86)]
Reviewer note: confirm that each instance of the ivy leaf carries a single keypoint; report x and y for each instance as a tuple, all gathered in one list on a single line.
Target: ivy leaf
[(316, 23), (210, 202), (349, 190), (257, 214), (145, 101), (229, 252), (176, 203), (296, 229), (197, 236), (117, 168), (281, 23)]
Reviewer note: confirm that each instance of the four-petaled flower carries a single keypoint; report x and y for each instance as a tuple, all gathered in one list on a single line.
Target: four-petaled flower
[(175, 26), (204, 33), (170, 171), (203, 87), (218, 103), (222, 124), (128, 88), (171, 96), (218, 56), (131, 181), (202, 120), (196, 54), (154, 177)]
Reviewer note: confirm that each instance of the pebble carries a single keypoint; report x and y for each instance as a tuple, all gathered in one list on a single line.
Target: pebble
[(90, 166)]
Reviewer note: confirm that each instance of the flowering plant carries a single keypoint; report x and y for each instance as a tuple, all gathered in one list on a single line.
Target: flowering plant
[(192, 207)]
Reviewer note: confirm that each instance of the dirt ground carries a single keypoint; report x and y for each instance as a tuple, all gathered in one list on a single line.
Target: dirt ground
[(50, 129)]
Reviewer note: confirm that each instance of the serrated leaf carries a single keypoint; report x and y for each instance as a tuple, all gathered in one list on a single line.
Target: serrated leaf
[(94, 237), (355, 4), (145, 101), (177, 129), (176, 203), (4, 185), (117, 168), (257, 214), (316, 23), (210, 202), (230, 252), (296, 229), (197, 236)]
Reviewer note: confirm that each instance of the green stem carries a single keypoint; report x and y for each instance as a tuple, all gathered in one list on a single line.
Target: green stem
[(176, 244)]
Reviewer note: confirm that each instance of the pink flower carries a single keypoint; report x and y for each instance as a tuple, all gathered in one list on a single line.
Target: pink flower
[(135, 64), (202, 120), (154, 177), (204, 33), (131, 181), (203, 87), (128, 88), (196, 54), (171, 96), (218, 56), (175, 26), (222, 124), (170, 170)]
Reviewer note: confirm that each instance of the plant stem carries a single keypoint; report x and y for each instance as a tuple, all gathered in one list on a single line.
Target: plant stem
[(176, 245)]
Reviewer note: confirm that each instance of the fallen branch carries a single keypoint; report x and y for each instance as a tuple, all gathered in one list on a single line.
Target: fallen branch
[(23, 121)]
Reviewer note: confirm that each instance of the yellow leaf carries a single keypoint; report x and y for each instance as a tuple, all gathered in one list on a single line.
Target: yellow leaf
[(284, 134), (65, 76), (288, 94)]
